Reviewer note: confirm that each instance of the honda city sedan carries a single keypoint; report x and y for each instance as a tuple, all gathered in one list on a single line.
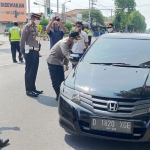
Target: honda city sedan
[(107, 94)]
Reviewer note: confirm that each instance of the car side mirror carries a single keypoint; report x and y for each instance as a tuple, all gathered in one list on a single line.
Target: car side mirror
[(74, 58)]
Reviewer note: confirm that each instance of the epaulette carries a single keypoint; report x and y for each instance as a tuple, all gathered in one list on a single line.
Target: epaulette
[(28, 25)]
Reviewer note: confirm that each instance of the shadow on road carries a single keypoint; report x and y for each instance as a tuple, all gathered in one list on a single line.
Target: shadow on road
[(86, 143), (5, 146), (9, 128), (47, 100)]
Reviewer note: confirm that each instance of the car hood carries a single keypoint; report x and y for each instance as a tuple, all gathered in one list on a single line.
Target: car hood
[(111, 81)]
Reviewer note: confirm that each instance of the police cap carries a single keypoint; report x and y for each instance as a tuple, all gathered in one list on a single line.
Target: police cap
[(75, 34), (37, 16)]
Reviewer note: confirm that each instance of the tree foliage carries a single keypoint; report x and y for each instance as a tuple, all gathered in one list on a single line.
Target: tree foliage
[(44, 23), (125, 4), (68, 25), (96, 16), (139, 21)]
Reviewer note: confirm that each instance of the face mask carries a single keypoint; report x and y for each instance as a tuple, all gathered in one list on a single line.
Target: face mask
[(36, 22), (110, 30)]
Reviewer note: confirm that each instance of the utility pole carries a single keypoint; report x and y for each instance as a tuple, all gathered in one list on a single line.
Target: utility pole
[(111, 13), (57, 7), (28, 10), (45, 8), (63, 12), (92, 4), (50, 8), (89, 14)]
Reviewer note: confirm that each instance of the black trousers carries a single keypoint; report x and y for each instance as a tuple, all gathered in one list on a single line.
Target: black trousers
[(31, 68), (57, 76), (15, 46), (90, 38)]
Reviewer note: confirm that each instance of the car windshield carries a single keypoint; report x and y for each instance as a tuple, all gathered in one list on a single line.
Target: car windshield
[(119, 51)]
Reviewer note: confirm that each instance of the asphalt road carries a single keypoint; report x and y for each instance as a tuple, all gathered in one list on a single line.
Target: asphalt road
[(32, 123)]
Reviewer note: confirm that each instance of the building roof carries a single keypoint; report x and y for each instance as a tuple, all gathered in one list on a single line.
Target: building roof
[(74, 12)]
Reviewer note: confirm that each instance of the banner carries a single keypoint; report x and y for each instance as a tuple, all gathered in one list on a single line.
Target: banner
[(12, 11)]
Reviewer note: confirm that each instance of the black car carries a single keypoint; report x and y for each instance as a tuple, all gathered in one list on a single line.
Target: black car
[(107, 95)]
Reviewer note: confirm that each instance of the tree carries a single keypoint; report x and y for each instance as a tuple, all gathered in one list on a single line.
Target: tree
[(125, 4), (138, 21), (44, 23), (126, 14), (96, 16), (68, 25), (125, 7)]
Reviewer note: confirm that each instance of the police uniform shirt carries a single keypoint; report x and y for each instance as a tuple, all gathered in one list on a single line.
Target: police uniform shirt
[(59, 54), (28, 37)]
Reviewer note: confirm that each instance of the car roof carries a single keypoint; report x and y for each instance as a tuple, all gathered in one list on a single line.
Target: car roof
[(126, 36)]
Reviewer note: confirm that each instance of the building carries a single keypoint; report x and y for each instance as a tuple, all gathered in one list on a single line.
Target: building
[(12, 11), (72, 16)]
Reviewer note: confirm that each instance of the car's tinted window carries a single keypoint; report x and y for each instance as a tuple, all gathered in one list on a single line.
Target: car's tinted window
[(128, 51)]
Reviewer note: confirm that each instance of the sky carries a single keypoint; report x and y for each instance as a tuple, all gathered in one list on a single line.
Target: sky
[(142, 5)]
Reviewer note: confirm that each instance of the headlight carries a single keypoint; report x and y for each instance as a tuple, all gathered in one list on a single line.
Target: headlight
[(71, 94)]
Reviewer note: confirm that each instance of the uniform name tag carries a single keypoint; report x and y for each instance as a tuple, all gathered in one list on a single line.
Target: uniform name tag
[(27, 49)]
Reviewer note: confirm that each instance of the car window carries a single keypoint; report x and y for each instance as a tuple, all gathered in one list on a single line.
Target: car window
[(128, 51)]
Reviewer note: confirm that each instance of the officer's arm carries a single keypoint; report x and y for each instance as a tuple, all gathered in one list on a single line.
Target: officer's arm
[(20, 32), (66, 51), (9, 37), (25, 33)]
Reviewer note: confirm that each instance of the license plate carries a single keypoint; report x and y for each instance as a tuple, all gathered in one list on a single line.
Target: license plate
[(111, 125)]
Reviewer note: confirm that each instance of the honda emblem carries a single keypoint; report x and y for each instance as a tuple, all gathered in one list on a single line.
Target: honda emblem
[(112, 106)]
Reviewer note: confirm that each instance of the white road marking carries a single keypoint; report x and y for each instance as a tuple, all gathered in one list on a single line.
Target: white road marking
[(5, 65)]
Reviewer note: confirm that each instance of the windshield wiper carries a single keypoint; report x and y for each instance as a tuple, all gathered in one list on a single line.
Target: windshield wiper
[(107, 63), (128, 65), (121, 65)]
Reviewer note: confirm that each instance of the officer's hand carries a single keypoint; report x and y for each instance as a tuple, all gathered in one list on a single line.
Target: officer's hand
[(28, 24), (67, 68)]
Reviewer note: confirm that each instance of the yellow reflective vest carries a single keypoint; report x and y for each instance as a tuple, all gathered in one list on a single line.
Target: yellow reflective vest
[(15, 33), (90, 33)]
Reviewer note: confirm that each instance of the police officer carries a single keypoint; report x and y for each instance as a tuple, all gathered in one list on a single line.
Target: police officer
[(90, 34), (59, 56), (30, 48), (14, 38)]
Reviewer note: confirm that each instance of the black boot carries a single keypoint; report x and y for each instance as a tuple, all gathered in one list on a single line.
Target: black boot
[(31, 94), (38, 92)]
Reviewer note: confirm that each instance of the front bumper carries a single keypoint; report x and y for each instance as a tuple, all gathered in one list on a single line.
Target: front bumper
[(76, 120)]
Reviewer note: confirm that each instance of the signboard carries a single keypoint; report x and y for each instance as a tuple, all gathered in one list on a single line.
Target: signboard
[(12, 11)]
